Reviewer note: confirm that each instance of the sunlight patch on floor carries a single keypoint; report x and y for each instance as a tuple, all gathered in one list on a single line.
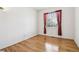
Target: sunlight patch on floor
[(51, 48)]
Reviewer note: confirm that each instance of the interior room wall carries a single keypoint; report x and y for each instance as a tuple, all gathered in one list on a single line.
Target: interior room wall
[(67, 22), (77, 26), (17, 24)]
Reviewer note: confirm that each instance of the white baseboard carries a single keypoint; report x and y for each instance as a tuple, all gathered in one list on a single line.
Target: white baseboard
[(59, 36), (17, 40), (76, 43)]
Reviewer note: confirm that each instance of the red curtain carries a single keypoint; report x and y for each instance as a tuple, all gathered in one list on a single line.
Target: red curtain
[(45, 23), (59, 19)]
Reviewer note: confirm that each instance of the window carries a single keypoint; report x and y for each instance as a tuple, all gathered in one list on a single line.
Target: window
[(51, 20)]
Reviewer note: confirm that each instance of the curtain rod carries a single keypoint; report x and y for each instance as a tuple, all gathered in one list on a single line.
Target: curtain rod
[(52, 12)]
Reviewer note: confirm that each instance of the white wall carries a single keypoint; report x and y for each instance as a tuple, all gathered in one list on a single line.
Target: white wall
[(16, 24), (67, 22), (77, 26)]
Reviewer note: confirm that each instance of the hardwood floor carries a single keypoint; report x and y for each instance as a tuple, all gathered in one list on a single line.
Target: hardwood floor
[(37, 44)]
